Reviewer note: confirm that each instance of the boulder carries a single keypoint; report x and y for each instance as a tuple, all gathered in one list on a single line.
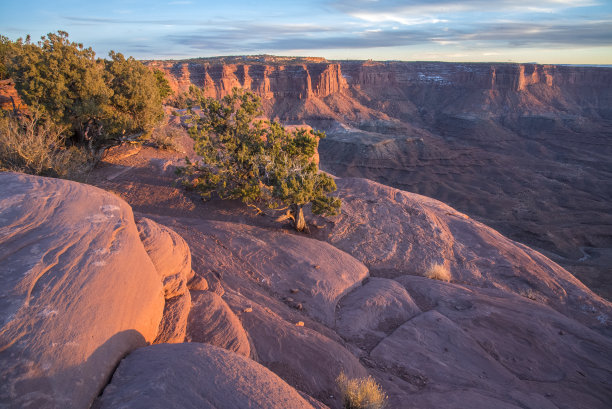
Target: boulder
[(78, 291), (371, 312), (211, 321), (169, 253), (173, 326), (195, 376)]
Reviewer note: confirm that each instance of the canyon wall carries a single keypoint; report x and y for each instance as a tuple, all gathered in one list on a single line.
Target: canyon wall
[(401, 89), (301, 81)]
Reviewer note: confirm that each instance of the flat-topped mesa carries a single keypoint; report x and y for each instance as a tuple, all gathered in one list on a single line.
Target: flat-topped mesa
[(357, 87), (514, 77), (301, 80)]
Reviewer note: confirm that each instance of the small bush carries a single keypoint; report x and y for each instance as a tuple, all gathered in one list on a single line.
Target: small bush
[(438, 272), (361, 393), (167, 138), (30, 145)]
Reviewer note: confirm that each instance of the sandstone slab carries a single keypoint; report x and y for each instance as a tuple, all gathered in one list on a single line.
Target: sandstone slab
[(372, 311), (550, 353), (212, 321), (396, 233), (173, 326), (279, 262), (169, 253), (196, 376), (78, 291)]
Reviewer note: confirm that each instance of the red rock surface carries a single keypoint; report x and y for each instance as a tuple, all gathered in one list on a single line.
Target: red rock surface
[(198, 376), (78, 291), (211, 321), (532, 355), (396, 233), (9, 98)]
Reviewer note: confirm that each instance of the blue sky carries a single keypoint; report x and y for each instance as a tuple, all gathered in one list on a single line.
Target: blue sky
[(544, 31)]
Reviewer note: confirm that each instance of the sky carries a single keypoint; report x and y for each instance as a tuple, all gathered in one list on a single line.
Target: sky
[(542, 31)]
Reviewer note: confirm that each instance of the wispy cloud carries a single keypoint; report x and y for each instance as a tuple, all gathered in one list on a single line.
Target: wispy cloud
[(249, 38)]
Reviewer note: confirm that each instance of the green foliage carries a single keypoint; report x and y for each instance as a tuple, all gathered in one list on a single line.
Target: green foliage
[(135, 101), (162, 84), (98, 101), (362, 393), (64, 81), (6, 47), (257, 161)]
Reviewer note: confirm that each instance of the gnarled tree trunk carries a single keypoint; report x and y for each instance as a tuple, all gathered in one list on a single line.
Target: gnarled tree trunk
[(299, 220)]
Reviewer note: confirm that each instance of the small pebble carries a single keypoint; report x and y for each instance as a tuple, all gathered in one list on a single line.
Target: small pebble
[(288, 299), (248, 309), (299, 324), (294, 290)]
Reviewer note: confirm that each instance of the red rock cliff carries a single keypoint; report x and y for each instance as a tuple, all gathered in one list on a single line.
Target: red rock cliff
[(301, 81), (363, 90)]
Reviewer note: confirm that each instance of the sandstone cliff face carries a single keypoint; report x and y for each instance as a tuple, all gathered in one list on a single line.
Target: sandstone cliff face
[(493, 89), (300, 81)]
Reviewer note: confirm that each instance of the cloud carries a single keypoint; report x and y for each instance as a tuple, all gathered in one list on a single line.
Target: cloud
[(389, 7), (254, 38)]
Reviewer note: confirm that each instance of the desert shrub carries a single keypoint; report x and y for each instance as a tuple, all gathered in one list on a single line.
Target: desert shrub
[(29, 144), (361, 393), (256, 161), (98, 102), (167, 138), (162, 84), (135, 104), (438, 272)]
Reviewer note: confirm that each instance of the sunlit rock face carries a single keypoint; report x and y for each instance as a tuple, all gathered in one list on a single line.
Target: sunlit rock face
[(78, 291), (196, 376)]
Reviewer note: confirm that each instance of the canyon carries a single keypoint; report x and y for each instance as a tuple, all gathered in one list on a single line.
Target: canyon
[(129, 290), (523, 148)]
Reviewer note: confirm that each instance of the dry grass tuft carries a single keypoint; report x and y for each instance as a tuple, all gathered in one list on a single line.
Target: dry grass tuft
[(30, 145), (438, 272), (361, 393)]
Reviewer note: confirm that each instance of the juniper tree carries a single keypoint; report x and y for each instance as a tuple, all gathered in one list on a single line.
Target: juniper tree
[(254, 160), (99, 101)]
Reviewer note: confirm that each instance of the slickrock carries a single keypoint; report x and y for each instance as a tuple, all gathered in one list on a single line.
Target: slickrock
[(173, 326), (373, 311), (78, 291), (281, 261), (498, 344), (211, 321), (511, 329), (169, 253), (196, 376), (302, 356), (258, 268), (396, 233)]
